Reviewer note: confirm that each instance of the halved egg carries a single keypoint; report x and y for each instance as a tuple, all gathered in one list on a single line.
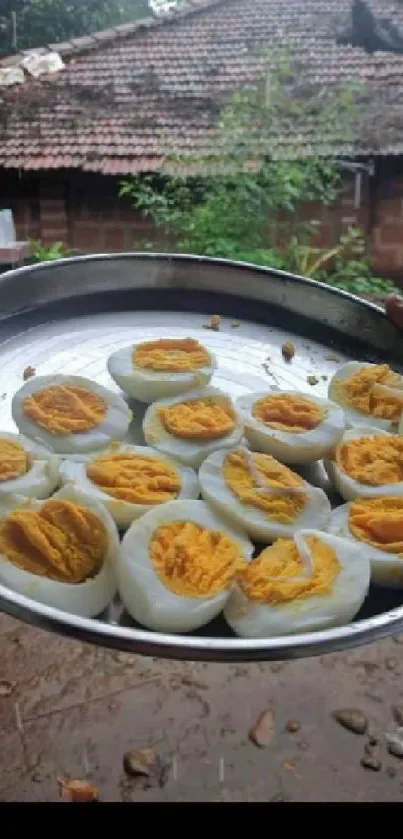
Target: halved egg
[(261, 495), (70, 414), (60, 552), (26, 468), (177, 565), (157, 369), (291, 426), (367, 462), (377, 525), (192, 426), (369, 394), (311, 582), (129, 480)]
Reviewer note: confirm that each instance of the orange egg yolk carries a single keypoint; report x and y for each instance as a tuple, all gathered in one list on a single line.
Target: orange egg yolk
[(135, 478), (286, 412), (375, 460), (14, 460), (368, 391), (200, 419), (250, 478), (379, 522), (171, 355), (63, 541), (193, 561), (65, 409), (277, 575)]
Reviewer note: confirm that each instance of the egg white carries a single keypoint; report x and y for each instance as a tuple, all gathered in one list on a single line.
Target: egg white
[(287, 446), (149, 385), (309, 614), (87, 599), (144, 596), (256, 523), (348, 487), (190, 452), (352, 416), (42, 476), (74, 472), (386, 568), (113, 427)]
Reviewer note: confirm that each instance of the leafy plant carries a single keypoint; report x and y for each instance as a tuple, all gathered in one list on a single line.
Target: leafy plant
[(47, 253), (251, 209)]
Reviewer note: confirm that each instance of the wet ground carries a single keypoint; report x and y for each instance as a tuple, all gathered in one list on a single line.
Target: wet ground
[(69, 710)]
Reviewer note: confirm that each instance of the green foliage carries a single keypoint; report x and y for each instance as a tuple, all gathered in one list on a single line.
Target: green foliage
[(45, 21), (44, 253), (251, 212)]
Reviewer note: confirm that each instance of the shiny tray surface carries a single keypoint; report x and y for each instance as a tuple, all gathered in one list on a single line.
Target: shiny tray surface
[(67, 317)]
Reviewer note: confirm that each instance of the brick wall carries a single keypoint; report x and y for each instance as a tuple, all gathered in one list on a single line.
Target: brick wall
[(85, 212)]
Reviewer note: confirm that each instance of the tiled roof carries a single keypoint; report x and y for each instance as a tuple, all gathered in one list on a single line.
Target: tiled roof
[(131, 93)]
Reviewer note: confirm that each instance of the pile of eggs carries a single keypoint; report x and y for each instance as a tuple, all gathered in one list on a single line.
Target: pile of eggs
[(213, 515)]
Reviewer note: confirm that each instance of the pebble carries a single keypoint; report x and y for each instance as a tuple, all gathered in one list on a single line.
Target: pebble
[(288, 350), (262, 733), (140, 762), (394, 743), (293, 726), (352, 719), (312, 380), (391, 771), (390, 663), (6, 687), (371, 762), (77, 791)]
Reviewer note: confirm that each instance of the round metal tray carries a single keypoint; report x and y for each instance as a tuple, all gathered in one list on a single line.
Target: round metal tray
[(67, 316)]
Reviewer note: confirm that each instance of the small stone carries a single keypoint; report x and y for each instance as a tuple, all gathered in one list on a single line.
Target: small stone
[(28, 373), (373, 740), (312, 380), (371, 762), (262, 732), (214, 323), (390, 663), (397, 711), (325, 378), (332, 357), (391, 771), (6, 687), (140, 762), (235, 324), (293, 726), (394, 743), (352, 719), (288, 350), (77, 791), (303, 745)]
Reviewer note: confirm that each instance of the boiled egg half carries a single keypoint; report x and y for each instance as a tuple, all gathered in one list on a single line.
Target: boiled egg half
[(60, 552), (367, 462), (26, 468), (129, 480), (192, 426), (70, 414), (311, 582), (291, 426), (157, 369), (376, 524), (370, 394), (177, 565), (261, 495)]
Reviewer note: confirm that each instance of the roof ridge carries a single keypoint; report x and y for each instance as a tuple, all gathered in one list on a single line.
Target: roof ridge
[(84, 43)]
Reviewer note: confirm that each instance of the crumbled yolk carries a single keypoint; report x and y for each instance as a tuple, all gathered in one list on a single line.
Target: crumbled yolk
[(242, 481), (135, 478), (200, 419), (13, 460), (373, 460), (193, 561), (277, 575), (286, 412), (65, 409), (62, 541), (365, 391), (379, 522), (171, 355)]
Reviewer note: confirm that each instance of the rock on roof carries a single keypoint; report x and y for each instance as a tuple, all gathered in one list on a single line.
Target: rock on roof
[(130, 93)]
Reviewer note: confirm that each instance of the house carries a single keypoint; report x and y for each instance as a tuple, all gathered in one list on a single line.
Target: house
[(127, 94)]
